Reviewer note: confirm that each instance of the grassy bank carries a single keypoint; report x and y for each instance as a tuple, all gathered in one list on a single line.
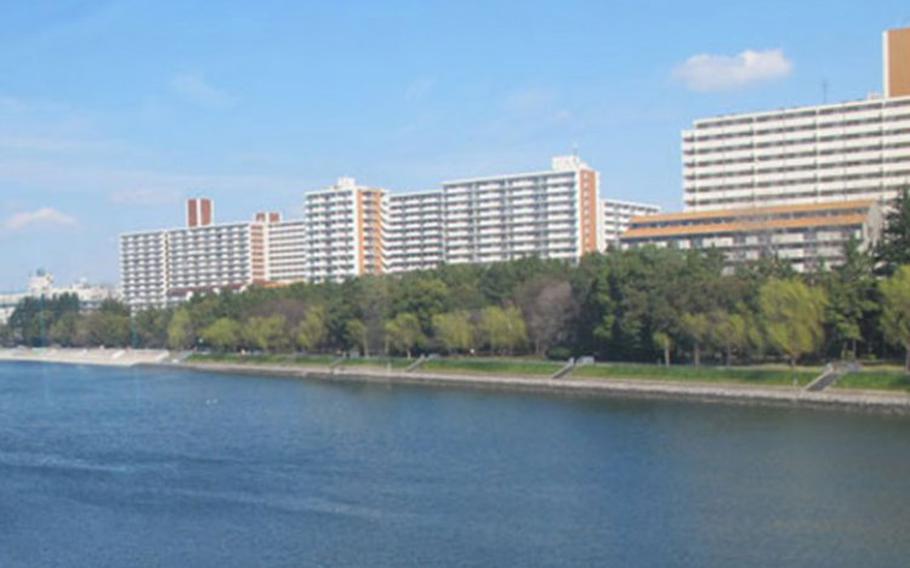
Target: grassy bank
[(885, 378), (742, 375), (261, 359), (490, 366)]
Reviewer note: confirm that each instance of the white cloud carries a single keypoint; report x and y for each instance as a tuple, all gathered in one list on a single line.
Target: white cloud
[(197, 90), (707, 72), (45, 217)]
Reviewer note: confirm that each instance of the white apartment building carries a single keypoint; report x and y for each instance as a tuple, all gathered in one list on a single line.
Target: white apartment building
[(286, 246), (165, 267), (844, 151), (143, 269), (618, 214), (550, 214), (414, 234), (162, 268), (346, 225), (350, 230), (806, 235), (226, 256)]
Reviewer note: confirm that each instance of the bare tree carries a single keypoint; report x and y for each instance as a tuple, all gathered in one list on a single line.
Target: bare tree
[(548, 307)]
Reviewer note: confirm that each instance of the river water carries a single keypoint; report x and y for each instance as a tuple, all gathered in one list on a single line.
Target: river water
[(121, 467)]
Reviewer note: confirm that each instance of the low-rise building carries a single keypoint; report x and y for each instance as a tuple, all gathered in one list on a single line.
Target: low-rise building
[(808, 235), (618, 214), (41, 284)]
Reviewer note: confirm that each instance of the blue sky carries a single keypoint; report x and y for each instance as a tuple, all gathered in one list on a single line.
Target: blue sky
[(111, 113)]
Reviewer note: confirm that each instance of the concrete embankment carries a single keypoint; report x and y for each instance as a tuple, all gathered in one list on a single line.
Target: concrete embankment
[(866, 401), (104, 357)]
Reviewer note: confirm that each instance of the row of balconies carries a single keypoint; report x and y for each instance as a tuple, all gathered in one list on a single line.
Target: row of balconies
[(855, 136), (850, 109), (738, 158), (857, 163), (783, 126)]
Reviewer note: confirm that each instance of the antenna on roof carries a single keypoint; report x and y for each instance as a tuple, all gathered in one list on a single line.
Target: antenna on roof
[(575, 149)]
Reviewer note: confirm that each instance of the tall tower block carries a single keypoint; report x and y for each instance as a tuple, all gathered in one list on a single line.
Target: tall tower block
[(896, 47)]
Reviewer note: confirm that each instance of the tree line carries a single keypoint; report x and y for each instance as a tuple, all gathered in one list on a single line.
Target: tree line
[(645, 305)]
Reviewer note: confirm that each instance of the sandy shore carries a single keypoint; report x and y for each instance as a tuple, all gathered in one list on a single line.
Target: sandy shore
[(105, 357), (867, 401)]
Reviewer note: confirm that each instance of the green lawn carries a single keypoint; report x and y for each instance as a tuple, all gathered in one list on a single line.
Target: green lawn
[(381, 362), (741, 375), (886, 378), (765, 375), (261, 359), (492, 366)]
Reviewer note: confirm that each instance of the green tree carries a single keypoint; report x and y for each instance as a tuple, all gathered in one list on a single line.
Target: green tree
[(151, 327), (270, 334), (664, 342), (422, 294), (180, 330), (404, 333), (851, 290), (454, 331), (224, 334), (312, 331), (893, 248), (357, 335), (108, 328), (793, 316), (503, 329), (65, 330), (697, 329), (896, 314), (729, 332)]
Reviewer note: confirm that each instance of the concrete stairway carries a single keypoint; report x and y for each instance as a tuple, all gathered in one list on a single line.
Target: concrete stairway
[(832, 373)]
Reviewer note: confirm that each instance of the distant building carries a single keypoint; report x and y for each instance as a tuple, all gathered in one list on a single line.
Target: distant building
[(42, 284), (346, 231), (415, 234), (286, 247), (549, 214), (165, 267), (350, 230), (811, 154), (618, 214), (807, 235)]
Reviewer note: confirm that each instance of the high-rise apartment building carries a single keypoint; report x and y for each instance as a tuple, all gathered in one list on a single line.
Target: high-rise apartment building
[(346, 225), (414, 232), (550, 214), (286, 247), (351, 230), (618, 214), (165, 267), (812, 154)]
